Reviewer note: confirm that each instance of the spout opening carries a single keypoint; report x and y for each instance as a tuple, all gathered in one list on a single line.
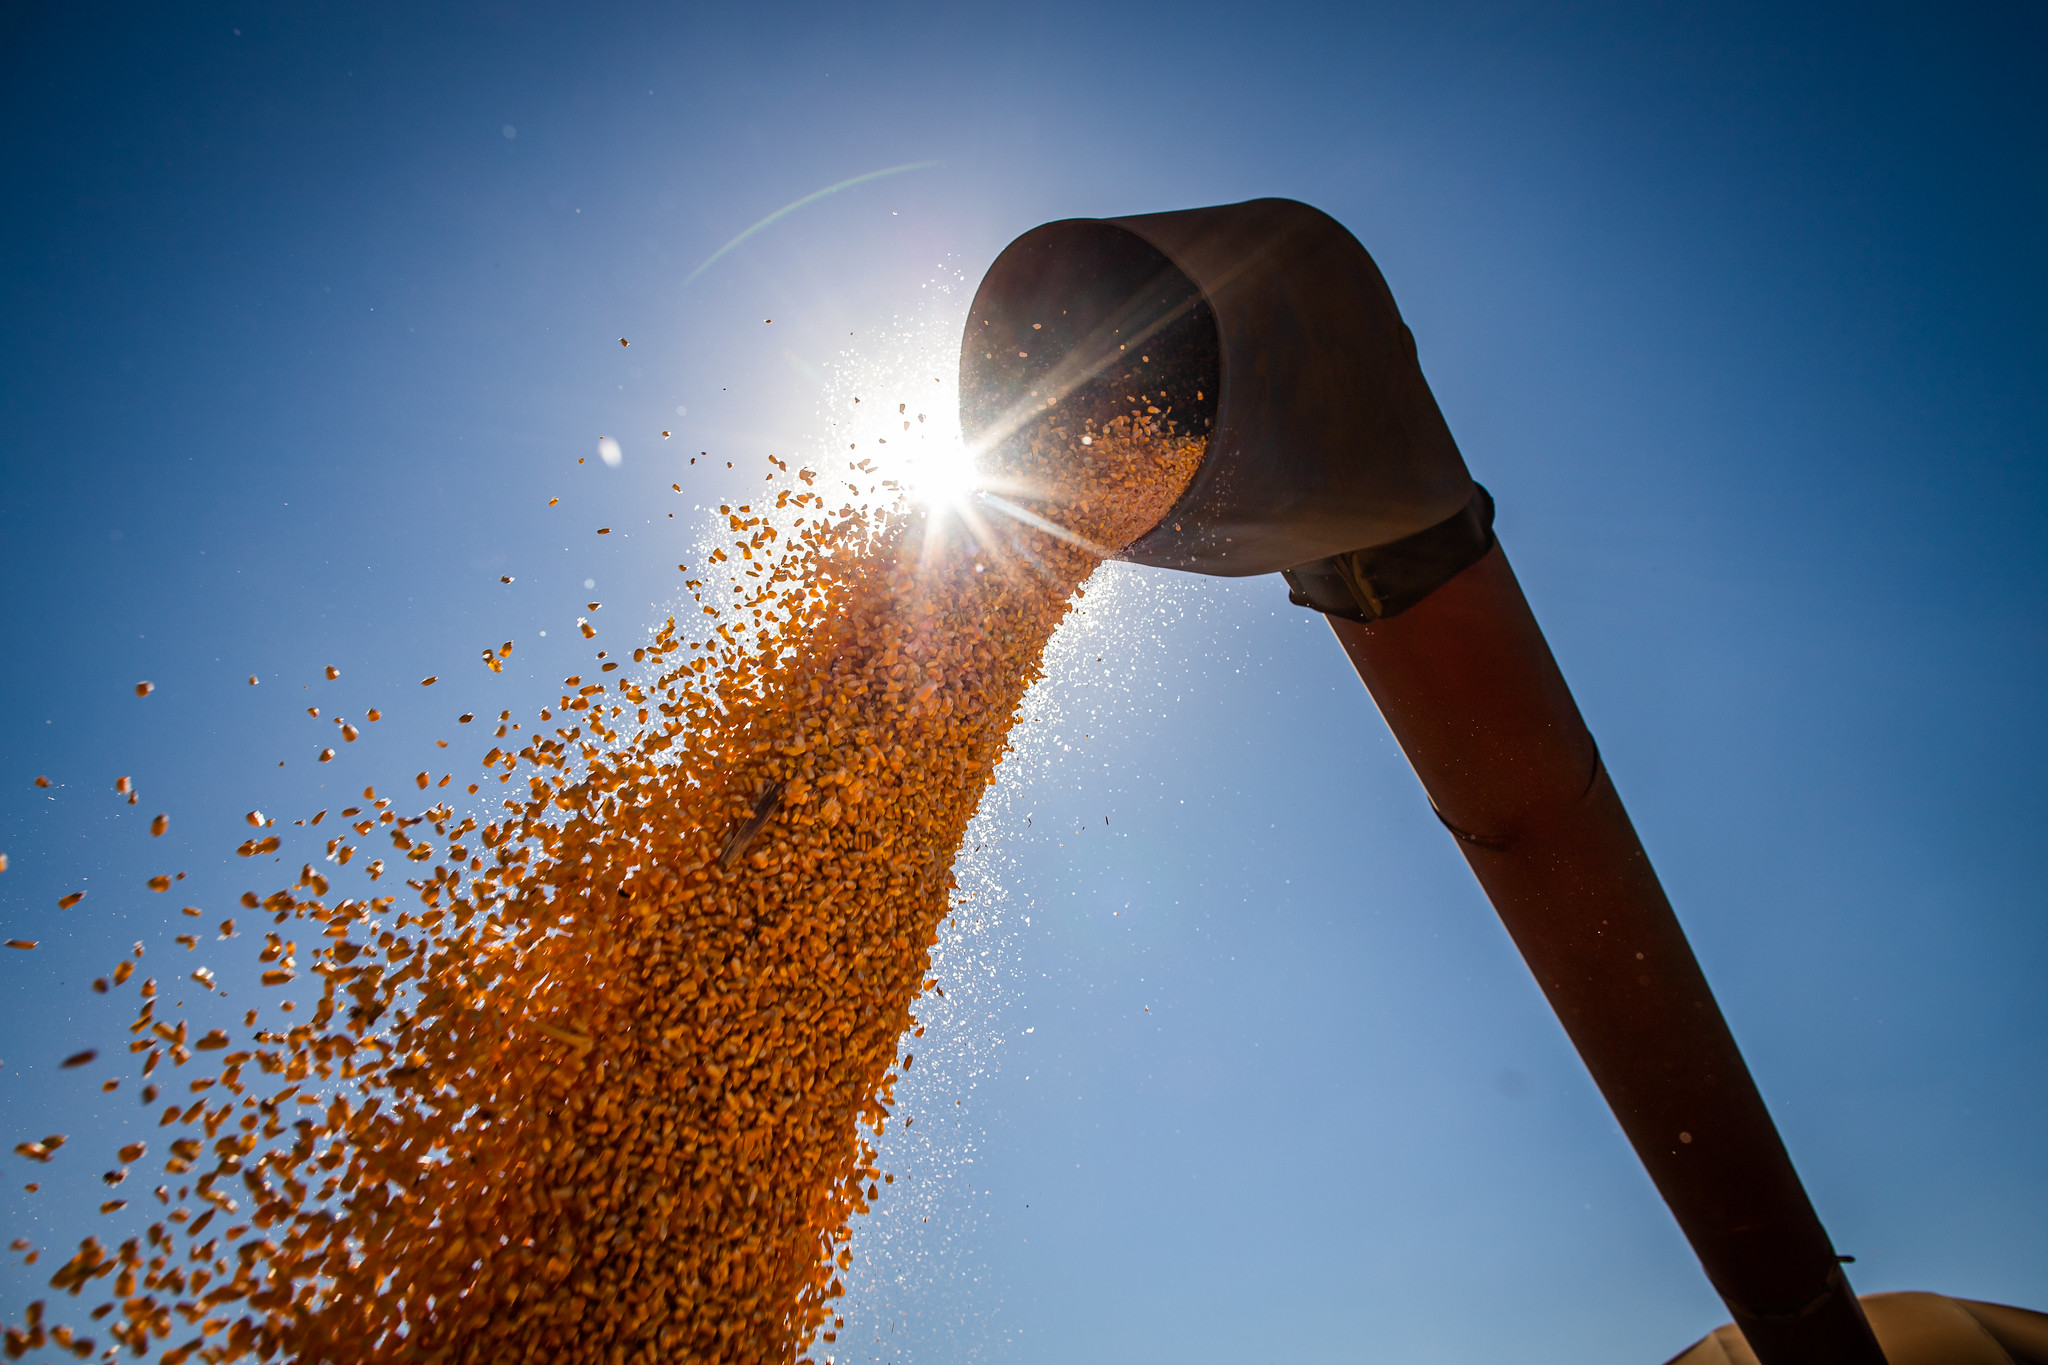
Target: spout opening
[(1078, 323)]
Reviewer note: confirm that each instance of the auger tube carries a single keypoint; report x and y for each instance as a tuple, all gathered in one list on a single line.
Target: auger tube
[(1266, 326)]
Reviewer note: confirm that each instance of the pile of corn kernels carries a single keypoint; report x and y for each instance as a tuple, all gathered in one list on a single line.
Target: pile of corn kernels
[(602, 1089)]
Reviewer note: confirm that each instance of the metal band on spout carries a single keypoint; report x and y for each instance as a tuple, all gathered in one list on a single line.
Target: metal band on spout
[(1385, 580)]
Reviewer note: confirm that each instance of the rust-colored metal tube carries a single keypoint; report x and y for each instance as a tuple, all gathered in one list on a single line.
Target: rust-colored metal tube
[(1476, 701)]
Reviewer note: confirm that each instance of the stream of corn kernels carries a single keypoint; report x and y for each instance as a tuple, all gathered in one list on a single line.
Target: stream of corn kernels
[(602, 1090)]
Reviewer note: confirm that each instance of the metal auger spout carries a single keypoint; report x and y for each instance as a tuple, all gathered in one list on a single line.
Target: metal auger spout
[(1267, 327)]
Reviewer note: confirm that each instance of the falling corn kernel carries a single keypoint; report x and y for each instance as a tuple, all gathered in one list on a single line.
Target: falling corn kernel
[(81, 1058), (156, 828), (160, 882), (143, 689), (332, 672), (66, 902), (22, 943)]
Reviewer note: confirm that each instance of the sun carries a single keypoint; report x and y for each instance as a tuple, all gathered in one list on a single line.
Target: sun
[(892, 412), (890, 418), (914, 454), (940, 476)]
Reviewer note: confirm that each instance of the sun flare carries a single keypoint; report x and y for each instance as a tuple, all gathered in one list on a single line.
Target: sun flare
[(893, 413), (941, 478)]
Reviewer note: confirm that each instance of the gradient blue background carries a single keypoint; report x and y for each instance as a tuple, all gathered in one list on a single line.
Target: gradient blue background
[(1737, 309)]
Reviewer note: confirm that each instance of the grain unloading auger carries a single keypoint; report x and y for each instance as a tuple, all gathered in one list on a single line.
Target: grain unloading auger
[(1267, 327)]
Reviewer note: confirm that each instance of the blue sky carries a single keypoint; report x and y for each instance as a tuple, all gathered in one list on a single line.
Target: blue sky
[(308, 310)]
